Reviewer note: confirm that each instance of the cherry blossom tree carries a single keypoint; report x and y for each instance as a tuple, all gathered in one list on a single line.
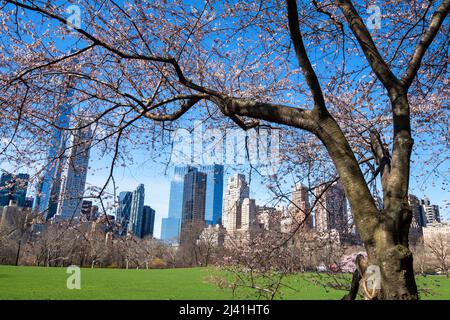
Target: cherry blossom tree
[(353, 90)]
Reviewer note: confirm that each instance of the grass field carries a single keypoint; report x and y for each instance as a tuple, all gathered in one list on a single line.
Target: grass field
[(50, 283)]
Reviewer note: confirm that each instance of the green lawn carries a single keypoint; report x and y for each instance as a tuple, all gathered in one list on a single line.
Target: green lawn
[(50, 283)]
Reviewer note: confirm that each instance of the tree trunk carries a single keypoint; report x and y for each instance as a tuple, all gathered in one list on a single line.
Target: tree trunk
[(384, 233), (392, 255), (397, 274)]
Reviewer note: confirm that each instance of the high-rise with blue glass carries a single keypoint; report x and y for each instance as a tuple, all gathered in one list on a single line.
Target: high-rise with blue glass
[(124, 210), (49, 185), (214, 193), (170, 228), (73, 180), (137, 211), (193, 213), (148, 222)]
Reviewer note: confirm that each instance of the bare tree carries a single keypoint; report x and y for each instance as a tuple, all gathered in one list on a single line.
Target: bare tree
[(439, 248)]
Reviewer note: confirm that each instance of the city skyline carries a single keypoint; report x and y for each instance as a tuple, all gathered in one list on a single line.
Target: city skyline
[(159, 198)]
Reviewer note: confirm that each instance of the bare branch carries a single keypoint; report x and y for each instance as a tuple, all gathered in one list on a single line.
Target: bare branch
[(302, 57), (421, 48), (362, 34)]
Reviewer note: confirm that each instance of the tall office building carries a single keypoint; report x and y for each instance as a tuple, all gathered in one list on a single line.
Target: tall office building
[(269, 218), (170, 228), (193, 213), (331, 210), (237, 190), (418, 219), (13, 215), (214, 193), (14, 187), (148, 222), (124, 210), (75, 168), (88, 211), (249, 221), (137, 211), (49, 184), (431, 211), (300, 207), (86, 207)]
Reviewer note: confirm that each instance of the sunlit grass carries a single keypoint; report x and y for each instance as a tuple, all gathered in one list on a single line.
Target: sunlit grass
[(194, 283)]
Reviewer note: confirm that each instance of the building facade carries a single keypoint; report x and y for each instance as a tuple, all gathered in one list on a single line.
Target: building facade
[(170, 227), (418, 220), (300, 208), (137, 211), (431, 212), (75, 169), (331, 210), (13, 216), (148, 222), (124, 210), (214, 193), (237, 190), (14, 188), (89, 211), (269, 218), (249, 220), (49, 184), (194, 194)]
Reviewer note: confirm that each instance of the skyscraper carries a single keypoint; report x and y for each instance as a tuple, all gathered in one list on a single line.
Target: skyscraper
[(86, 207), (137, 211), (148, 222), (74, 173), (331, 210), (270, 218), (124, 210), (193, 214), (48, 187), (249, 221), (300, 207), (237, 190), (170, 228), (88, 211), (418, 219), (14, 187), (431, 212), (214, 193)]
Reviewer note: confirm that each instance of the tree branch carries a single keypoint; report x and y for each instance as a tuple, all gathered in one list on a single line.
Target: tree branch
[(302, 57), (362, 34), (421, 48), (280, 114)]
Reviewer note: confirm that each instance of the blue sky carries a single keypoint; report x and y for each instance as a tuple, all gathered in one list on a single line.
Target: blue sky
[(156, 179)]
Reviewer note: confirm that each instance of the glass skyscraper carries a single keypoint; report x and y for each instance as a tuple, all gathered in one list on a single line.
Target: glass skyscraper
[(193, 213), (194, 193), (214, 193), (137, 211), (124, 210), (212, 203), (48, 188), (170, 228), (75, 169), (148, 222)]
